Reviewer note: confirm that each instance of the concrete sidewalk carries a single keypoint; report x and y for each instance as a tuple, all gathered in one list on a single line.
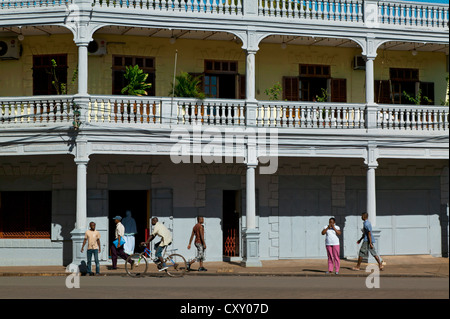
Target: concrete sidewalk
[(396, 266)]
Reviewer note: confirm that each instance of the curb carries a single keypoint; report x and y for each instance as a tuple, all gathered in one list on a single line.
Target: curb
[(227, 274)]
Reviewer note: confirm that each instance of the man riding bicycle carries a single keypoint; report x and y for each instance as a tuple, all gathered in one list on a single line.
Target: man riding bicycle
[(166, 239)]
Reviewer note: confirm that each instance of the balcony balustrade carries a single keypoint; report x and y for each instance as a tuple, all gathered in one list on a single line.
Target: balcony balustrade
[(152, 111), (389, 13)]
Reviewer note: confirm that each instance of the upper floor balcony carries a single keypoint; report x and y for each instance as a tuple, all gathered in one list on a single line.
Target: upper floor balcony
[(109, 112), (366, 14)]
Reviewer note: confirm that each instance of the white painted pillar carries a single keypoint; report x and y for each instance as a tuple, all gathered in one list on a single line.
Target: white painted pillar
[(371, 209), (250, 75), (250, 88), (371, 164), (371, 195), (251, 197), (371, 107), (251, 234), (81, 212), (77, 234), (82, 67), (370, 92)]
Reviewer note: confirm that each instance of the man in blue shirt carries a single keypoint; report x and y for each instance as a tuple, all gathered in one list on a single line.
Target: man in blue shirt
[(367, 245)]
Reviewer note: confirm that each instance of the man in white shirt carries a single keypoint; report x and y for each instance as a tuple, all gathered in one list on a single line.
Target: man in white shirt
[(166, 238), (118, 250)]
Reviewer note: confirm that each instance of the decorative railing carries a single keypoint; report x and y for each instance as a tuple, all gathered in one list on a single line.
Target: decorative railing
[(311, 115), (120, 109), (144, 111), (413, 14), (407, 117), (211, 112), (36, 109), (201, 6), (18, 4), (332, 10)]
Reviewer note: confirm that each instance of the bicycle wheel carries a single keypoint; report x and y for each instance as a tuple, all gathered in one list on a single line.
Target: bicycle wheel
[(176, 265), (136, 265)]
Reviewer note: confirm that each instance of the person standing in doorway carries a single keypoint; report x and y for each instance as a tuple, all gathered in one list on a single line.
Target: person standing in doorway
[(117, 250), (332, 231), (368, 244), (130, 230), (92, 236), (199, 232)]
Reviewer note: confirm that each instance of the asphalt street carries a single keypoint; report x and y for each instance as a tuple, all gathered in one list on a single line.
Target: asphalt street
[(222, 287)]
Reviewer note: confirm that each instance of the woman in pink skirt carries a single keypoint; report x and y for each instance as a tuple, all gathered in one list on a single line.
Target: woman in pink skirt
[(332, 231)]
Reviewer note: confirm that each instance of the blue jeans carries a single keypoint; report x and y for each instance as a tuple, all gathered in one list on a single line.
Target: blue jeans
[(94, 252)]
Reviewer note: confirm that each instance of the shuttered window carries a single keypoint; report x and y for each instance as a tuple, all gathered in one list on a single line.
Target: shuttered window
[(383, 91), (43, 73), (25, 214), (147, 64), (291, 88), (339, 90)]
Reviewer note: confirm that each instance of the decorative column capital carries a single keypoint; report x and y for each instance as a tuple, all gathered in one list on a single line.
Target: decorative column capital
[(371, 160)]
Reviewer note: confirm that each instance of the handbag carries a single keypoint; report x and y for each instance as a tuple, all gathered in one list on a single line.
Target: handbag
[(122, 242)]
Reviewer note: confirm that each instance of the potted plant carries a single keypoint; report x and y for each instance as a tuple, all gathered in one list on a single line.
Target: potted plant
[(137, 85), (187, 86)]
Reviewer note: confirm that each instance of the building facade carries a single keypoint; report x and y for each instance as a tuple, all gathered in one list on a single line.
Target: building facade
[(360, 124)]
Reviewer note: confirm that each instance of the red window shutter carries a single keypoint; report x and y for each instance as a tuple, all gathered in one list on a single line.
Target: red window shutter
[(339, 90), (290, 88), (242, 87)]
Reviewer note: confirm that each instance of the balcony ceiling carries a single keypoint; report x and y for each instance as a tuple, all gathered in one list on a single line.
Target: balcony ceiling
[(222, 36)]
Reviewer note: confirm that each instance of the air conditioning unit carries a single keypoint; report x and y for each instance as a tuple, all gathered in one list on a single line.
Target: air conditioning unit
[(359, 63), (9, 48), (97, 47)]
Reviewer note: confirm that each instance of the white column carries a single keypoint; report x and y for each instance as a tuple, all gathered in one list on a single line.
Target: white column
[(250, 75), (369, 80), (371, 107), (250, 79), (251, 197), (81, 212), (82, 67), (251, 234), (371, 195)]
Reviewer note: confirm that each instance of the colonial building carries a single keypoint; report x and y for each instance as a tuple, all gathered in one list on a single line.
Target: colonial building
[(313, 109)]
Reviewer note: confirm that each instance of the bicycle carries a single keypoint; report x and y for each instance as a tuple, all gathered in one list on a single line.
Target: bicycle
[(137, 264)]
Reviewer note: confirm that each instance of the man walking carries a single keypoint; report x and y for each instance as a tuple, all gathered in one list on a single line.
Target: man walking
[(199, 232), (367, 245), (117, 249), (92, 236)]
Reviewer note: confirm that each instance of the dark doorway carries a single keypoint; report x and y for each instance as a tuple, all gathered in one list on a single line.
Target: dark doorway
[(311, 88), (137, 201), (231, 231)]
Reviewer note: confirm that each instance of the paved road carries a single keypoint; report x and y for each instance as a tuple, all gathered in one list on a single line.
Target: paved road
[(223, 287)]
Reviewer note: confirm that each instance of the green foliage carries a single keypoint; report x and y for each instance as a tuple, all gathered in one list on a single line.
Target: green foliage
[(417, 100), (274, 92), (187, 86), (136, 81), (61, 88), (324, 97)]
